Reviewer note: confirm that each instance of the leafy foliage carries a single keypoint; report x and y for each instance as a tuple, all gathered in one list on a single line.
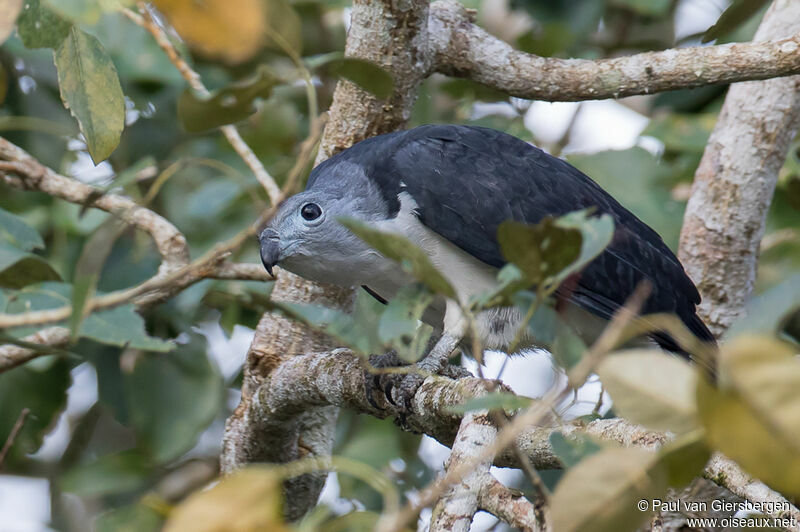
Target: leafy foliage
[(80, 65)]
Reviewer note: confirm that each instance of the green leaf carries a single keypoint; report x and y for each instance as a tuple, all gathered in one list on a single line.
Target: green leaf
[(765, 373), (735, 15), (122, 326), (682, 132), (573, 448), (649, 8), (492, 401), (43, 392), (19, 268), (399, 325), (228, 105), (133, 518), (400, 249), (639, 181), (735, 429), (249, 499), (359, 331), (651, 388), (90, 89), (601, 492), (119, 326), (684, 458), (768, 313), (284, 26), (173, 398), (540, 251), (39, 27), (18, 233), (84, 11), (552, 250), (9, 9), (110, 474), (366, 75)]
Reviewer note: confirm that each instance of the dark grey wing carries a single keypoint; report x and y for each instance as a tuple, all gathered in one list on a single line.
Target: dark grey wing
[(466, 181)]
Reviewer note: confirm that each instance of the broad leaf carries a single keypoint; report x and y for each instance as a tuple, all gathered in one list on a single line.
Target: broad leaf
[(541, 251), (122, 326), (767, 313), (226, 106), (19, 268), (737, 431), (232, 30), (571, 449), (119, 326), (366, 75), (651, 388), (110, 474), (284, 27), (18, 233), (399, 248), (359, 330), (9, 9), (684, 458), (492, 401), (90, 89), (39, 27), (85, 11), (133, 518), (737, 13), (649, 8), (43, 392), (249, 499), (399, 325), (602, 491), (172, 398), (765, 373)]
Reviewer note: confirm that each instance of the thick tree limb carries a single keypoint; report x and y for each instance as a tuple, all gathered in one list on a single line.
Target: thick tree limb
[(306, 382), (508, 506), (734, 184), (392, 35), (456, 509), (462, 49)]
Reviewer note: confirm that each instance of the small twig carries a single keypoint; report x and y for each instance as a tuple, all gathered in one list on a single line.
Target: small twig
[(23, 415), (511, 508), (145, 19)]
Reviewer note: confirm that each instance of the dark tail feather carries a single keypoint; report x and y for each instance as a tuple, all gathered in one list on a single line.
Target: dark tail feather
[(695, 325)]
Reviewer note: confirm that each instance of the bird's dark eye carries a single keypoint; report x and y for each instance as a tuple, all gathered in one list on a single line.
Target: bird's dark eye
[(310, 211)]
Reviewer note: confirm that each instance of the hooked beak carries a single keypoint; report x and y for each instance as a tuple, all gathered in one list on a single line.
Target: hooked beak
[(270, 244)]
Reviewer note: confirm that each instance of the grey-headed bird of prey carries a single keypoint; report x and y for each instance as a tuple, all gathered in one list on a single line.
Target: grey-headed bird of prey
[(447, 188)]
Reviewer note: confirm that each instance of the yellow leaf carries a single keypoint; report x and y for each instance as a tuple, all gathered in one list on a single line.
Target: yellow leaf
[(9, 9), (231, 30), (248, 500)]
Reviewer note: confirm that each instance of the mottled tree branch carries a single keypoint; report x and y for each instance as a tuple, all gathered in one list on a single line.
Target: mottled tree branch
[(734, 184), (308, 382), (462, 49)]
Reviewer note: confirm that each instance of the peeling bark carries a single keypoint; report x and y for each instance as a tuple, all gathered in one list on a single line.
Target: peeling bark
[(734, 184)]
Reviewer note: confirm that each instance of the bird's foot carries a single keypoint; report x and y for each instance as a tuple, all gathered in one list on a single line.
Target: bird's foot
[(399, 388)]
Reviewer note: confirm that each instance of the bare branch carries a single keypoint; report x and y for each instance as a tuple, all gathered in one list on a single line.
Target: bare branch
[(145, 20), (510, 507), (23, 415), (12, 356), (304, 383), (734, 184), (455, 510), (463, 49)]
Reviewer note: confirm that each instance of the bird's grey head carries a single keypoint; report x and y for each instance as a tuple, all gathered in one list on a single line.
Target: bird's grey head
[(306, 238)]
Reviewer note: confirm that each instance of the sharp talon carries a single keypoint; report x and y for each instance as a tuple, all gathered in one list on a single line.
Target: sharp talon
[(387, 391)]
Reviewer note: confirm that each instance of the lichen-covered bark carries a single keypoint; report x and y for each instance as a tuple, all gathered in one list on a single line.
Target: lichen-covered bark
[(392, 34), (735, 182)]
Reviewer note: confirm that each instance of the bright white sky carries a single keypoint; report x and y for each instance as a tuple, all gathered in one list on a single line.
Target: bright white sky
[(601, 125)]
